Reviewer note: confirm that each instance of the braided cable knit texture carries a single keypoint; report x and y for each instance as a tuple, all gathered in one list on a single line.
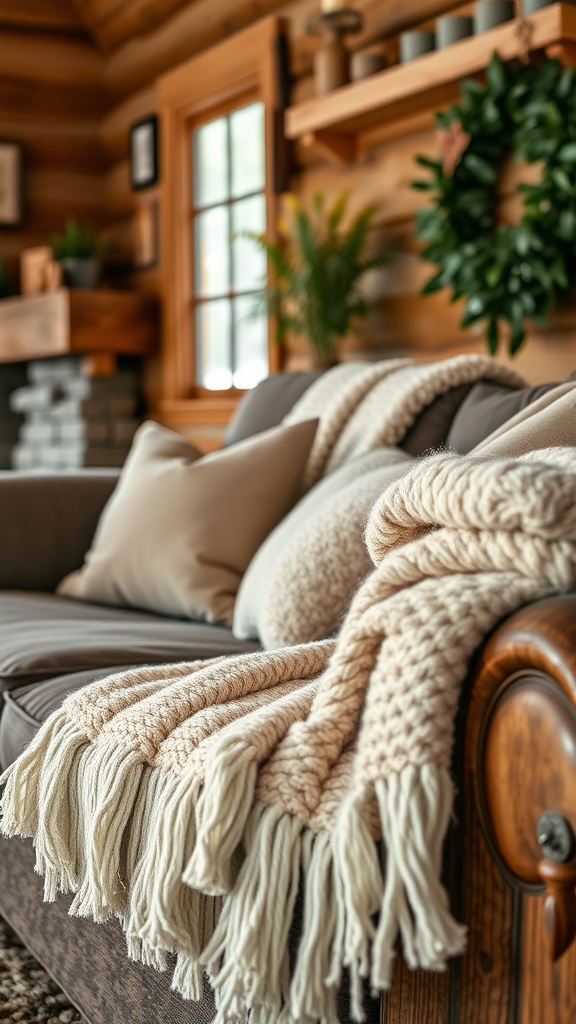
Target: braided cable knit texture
[(193, 800), (363, 406)]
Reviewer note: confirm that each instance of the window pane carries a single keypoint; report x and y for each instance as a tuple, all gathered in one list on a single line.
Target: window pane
[(213, 345), (251, 344), (249, 260), (247, 144), (212, 252), (210, 162)]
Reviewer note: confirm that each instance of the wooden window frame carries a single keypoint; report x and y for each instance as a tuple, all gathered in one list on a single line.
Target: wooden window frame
[(246, 65)]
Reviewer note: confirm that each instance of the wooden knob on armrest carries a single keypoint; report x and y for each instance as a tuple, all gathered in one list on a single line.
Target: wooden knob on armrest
[(559, 905)]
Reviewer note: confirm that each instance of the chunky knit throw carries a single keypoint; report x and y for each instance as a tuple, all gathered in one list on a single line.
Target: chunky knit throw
[(194, 801)]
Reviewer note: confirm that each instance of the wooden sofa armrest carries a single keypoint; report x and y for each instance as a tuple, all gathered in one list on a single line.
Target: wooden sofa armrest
[(515, 759), (47, 522), (520, 763)]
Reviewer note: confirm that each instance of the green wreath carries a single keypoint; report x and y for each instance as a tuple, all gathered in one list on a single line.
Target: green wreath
[(506, 273)]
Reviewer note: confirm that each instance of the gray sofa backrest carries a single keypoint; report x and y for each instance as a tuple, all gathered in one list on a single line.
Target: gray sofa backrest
[(459, 419)]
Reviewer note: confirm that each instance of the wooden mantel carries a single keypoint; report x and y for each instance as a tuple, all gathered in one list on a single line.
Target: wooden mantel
[(98, 324), (337, 122)]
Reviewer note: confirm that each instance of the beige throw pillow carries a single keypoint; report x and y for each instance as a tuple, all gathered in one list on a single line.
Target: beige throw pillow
[(180, 529), (300, 583)]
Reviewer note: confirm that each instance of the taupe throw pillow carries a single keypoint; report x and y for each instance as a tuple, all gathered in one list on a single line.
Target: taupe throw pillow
[(180, 529), (300, 583), (550, 422)]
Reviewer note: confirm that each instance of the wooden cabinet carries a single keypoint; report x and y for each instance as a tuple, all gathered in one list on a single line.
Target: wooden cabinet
[(98, 324), (340, 123)]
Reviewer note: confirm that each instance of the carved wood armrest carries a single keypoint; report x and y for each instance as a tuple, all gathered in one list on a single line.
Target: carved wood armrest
[(520, 750)]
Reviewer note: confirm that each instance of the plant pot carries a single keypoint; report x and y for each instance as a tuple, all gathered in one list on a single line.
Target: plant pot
[(80, 273)]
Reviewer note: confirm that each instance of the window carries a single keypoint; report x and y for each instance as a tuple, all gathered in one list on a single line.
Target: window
[(220, 121), (228, 200)]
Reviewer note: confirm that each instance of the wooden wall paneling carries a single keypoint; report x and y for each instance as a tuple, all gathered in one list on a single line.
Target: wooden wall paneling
[(117, 195), (42, 15), (50, 59), (31, 100), (112, 23), (71, 145), (191, 31), (115, 126), (50, 195)]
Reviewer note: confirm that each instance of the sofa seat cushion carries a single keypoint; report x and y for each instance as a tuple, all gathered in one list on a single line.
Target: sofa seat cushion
[(27, 708), (42, 635)]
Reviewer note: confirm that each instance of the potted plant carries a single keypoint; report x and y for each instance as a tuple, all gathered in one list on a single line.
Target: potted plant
[(317, 270), (80, 252)]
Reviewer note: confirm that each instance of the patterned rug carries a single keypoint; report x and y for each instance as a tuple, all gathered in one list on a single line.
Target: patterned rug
[(27, 994)]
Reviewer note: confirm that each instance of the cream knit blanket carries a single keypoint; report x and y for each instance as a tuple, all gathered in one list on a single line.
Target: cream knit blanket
[(156, 792), (363, 406)]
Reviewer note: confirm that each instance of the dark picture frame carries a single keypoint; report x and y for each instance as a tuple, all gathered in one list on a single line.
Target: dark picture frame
[(11, 183), (144, 152)]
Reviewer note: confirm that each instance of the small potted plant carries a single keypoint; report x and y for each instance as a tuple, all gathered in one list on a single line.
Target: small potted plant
[(317, 272), (80, 252)]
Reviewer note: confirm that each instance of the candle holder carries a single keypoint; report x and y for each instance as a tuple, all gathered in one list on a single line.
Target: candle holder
[(331, 60)]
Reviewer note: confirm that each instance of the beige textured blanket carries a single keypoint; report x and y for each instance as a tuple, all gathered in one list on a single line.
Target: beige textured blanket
[(363, 406), (156, 792)]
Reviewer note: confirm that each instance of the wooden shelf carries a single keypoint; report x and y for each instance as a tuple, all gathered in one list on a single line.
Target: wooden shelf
[(98, 324), (335, 123)]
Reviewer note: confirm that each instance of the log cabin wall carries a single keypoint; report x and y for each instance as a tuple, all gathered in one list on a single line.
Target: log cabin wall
[(52, 100), (75, 74), (136, 52)]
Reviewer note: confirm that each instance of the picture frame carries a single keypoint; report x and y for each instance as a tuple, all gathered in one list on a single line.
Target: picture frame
[(145, 233), (11, 190), (144, 152)]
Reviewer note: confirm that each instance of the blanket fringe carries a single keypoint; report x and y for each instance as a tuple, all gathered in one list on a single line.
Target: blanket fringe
[(247, 958), (358, 885), (312, 992), (223, 809), (187, 979), (108, 784), (163, 910), (415, 806), (37, 801)]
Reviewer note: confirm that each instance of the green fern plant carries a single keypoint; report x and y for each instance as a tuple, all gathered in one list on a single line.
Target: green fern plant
[(78, 241), (317, 270)]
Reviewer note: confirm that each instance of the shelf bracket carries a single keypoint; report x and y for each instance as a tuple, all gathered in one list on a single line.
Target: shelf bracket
[(565, 52), (337, 146)]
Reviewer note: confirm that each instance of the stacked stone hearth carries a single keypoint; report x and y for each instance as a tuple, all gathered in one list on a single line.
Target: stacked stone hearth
[(72, 420)]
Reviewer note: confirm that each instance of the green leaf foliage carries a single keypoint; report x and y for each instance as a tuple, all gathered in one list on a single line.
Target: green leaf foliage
[(317, 271), (77, 241), (506, 274)]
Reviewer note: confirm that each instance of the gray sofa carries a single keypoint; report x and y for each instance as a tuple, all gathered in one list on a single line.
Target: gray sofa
[(51, 645)]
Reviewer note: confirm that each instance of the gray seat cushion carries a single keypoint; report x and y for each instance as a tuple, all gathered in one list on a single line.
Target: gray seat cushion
[(42, 635), (26, 708)]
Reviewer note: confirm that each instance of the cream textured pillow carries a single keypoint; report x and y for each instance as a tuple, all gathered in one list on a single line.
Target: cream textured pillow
[(300, 582), (180, 529)]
